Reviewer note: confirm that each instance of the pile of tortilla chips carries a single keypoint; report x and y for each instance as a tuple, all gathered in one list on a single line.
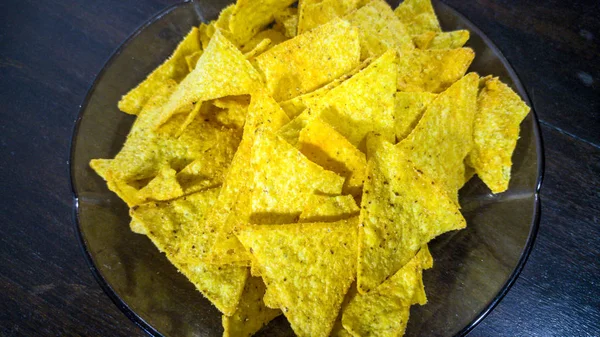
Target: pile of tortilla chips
[(297, 160)]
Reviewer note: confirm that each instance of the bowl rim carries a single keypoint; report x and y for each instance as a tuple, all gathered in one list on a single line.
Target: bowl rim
[(150, 330)]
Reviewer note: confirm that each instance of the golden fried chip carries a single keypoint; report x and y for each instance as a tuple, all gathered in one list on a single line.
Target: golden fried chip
[(379, 29), (401, 210), (338, 329), (442, 40), (137, 227), (495, 132), (309, 266), (192, 59), (275, 36), (410, 106), (260, 48), (251, 16), (205, 32), (180, 230), (174, 68), (162, 187), (286, 21), (441, 153), (284, 179), (324, 208), (233, 207), (363, 103), (310, 60), (251, 314), (384, 311), (233, 110), (418, 16), (432, 70), (314, 13), (220, 62), (320, 143)]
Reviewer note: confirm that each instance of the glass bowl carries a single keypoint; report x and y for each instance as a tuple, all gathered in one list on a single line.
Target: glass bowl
[(474, 268)]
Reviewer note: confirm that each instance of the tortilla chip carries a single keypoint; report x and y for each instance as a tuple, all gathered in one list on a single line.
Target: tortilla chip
[(205, 32), (432, 70), (410, 107), (137, 227), (251, 16), (192, 59), (314, 13), (309, 266), (442, 40), (251, 314), (275, 36), (324, 208), (363, 103), (260, 48), (179, 229), (418, 16), (174, 68), (286, 21), (284, 179), (233, 207), (384, 311), (310, 60), (163, 187), (401, 210), (338, 329), (295, 106), (441, 154), (233, 110), (320, 143), (495, 132), (379, 29), (220, 62)]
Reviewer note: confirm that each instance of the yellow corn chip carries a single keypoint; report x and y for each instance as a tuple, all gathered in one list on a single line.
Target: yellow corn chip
[(409, 109), (225, 17), (233, 110), (250, 16), (284, 179), (275, 36), (174, 68), (233, 206), (320, 143), (192, 59), (442, 40), (309, 266), (286, 21), (179, 229), (364, 103), (251, 314), (418, 16), (432, 70), (379, 29), (324, 208), (205, 32), (496, 130), (220, 62), (310, 60), (401, 210), (137, 227), (384, 311), (338, 329), (441, 154), (314, 13), (260, 48), (163, 187)]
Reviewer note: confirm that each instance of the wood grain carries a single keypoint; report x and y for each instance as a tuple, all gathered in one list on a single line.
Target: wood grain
[(50, 52)]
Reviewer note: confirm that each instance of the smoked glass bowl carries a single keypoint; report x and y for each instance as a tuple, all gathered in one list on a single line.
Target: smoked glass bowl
[(473, 270)]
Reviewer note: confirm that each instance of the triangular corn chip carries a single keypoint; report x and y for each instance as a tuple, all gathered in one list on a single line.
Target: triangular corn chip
[(310, 60), (192, 59), (179, 229), (324, 208), (275, 36), (284, 179), (320, 143), (174, 68), (251, 314), (286, 21), (309, 266), (441, 154), (384, 311), (220, 62), (401, 210), (432, 70), (379, 29), (410, 106), (137, 227), (442, 40), (418, 16), (163, 187), (363, 103), (313, 13), (251, 16), (233, 205), (495, 132)]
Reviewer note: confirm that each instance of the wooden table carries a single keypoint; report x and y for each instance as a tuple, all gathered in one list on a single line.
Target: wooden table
[(51, 51)]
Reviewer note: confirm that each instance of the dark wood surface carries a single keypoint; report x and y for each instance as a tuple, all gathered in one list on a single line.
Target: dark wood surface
[(51, 51)]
